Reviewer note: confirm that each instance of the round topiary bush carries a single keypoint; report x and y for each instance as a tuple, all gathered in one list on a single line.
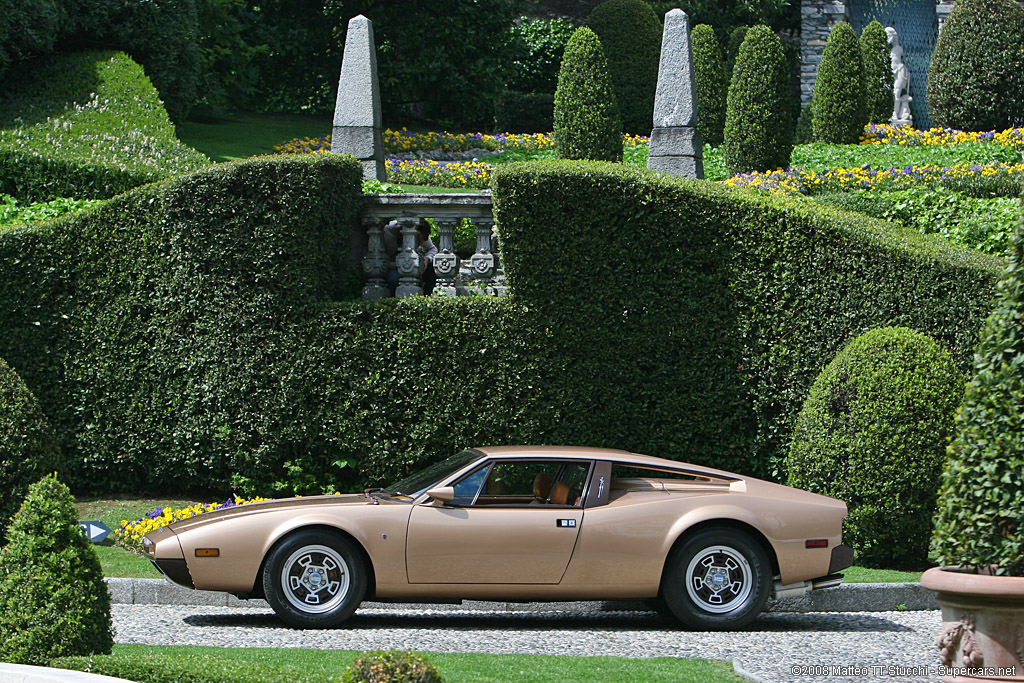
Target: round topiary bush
[(758, 121), (538, 45), (732, 49), (979, 523), (53, 601), (838, 111), (709, 79), (976, 77), (587, 124), (873, 432), (630, 35), (874, 50), (28, 449), (391, 666)]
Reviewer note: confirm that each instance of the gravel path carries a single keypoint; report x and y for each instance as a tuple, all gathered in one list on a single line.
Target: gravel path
[(780, 646)]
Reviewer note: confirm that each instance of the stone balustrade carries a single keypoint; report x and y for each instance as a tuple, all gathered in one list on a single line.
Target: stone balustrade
[(455, 276)]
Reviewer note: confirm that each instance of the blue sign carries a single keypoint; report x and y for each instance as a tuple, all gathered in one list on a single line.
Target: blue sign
[(95, 531)]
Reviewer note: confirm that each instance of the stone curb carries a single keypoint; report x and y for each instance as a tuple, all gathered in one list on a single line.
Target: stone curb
[(853, 597), (20, 673)]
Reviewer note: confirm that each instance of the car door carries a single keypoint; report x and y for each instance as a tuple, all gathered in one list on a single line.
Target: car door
[(503, 527)]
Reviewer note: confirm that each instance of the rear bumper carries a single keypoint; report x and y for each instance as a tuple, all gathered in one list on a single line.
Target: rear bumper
[(842, 557)]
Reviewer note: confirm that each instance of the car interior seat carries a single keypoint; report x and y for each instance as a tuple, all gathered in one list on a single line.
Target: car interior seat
[(541, 488)]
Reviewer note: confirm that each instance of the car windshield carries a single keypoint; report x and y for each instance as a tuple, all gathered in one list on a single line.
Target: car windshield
[(416, 484)]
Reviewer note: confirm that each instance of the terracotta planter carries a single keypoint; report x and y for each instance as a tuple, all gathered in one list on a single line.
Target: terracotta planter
[(982, 625)]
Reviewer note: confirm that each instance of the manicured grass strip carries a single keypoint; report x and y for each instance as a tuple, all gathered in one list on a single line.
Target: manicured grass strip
[(239, 136), (178, 664), (864, 575)]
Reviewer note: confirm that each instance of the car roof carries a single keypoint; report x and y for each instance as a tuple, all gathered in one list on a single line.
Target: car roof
[(615, 455)]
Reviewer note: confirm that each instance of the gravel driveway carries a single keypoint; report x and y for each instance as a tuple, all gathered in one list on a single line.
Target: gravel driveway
[(778, 646)]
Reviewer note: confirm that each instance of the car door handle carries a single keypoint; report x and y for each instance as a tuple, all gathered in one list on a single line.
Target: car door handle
[(561, 523)]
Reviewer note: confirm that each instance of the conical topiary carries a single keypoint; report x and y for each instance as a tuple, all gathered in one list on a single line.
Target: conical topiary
[(838, 113), (630, 34), (980, 523), (874, 49), (53, 601), (710, 81), (587, 124), (28, 449), (758, 121), (976, 75), (873, 432)]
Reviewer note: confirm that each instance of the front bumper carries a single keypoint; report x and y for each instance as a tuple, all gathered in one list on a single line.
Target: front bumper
[(165, 553), (175, 570)]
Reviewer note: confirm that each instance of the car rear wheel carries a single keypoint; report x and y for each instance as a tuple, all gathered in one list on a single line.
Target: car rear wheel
[(718, 579), (314, 579)]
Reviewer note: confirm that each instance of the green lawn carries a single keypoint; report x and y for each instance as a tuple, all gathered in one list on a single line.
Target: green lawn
[(238, 136), (237, 665)]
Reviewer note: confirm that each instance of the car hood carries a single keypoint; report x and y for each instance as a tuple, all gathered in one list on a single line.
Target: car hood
[(274, 505)]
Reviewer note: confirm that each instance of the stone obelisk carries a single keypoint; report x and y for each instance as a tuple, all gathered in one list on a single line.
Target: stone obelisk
[(357, 121), (676, 146)]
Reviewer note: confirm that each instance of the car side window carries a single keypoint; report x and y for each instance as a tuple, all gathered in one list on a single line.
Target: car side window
[(467, 488), (525, 482)]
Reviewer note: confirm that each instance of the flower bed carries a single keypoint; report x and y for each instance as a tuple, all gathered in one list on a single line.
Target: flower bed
[(468, 174), (886, 134), (130, 534), (996, 178)]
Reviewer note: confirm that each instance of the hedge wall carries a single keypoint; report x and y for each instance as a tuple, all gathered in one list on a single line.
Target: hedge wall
[(195, 333), (152, 327), (87, 125), (689, 320)]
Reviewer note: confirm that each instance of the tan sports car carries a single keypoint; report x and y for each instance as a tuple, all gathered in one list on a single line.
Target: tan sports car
[(522, 523)]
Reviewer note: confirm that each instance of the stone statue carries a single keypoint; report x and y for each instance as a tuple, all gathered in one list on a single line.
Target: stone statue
[(900, 81)]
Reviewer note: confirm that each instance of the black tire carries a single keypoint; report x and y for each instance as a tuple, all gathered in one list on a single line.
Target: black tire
[(716, 580), (314, 579)]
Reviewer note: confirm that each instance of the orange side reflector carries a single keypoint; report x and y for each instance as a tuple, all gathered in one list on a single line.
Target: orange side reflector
[(207, 552), (817, 543)]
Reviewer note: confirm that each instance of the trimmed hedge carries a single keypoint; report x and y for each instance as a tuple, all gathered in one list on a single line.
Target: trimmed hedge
[(976, 74), (689, 320), (202, 346), (711, 83), (149, 326), (161, 34), (978, 525), (838, 107), (28, 449), (586, 116), (758, 116), (399, 666), (630, 34), (873, 433), (87, 125), (53, 601)]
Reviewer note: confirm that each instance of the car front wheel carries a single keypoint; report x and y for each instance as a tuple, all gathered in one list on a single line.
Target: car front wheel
[(718, 579), (314, 579)]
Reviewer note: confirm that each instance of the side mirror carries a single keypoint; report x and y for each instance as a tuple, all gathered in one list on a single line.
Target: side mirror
[(442, 494)]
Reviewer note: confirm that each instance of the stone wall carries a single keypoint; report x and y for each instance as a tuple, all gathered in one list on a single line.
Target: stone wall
[(817, 18)]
